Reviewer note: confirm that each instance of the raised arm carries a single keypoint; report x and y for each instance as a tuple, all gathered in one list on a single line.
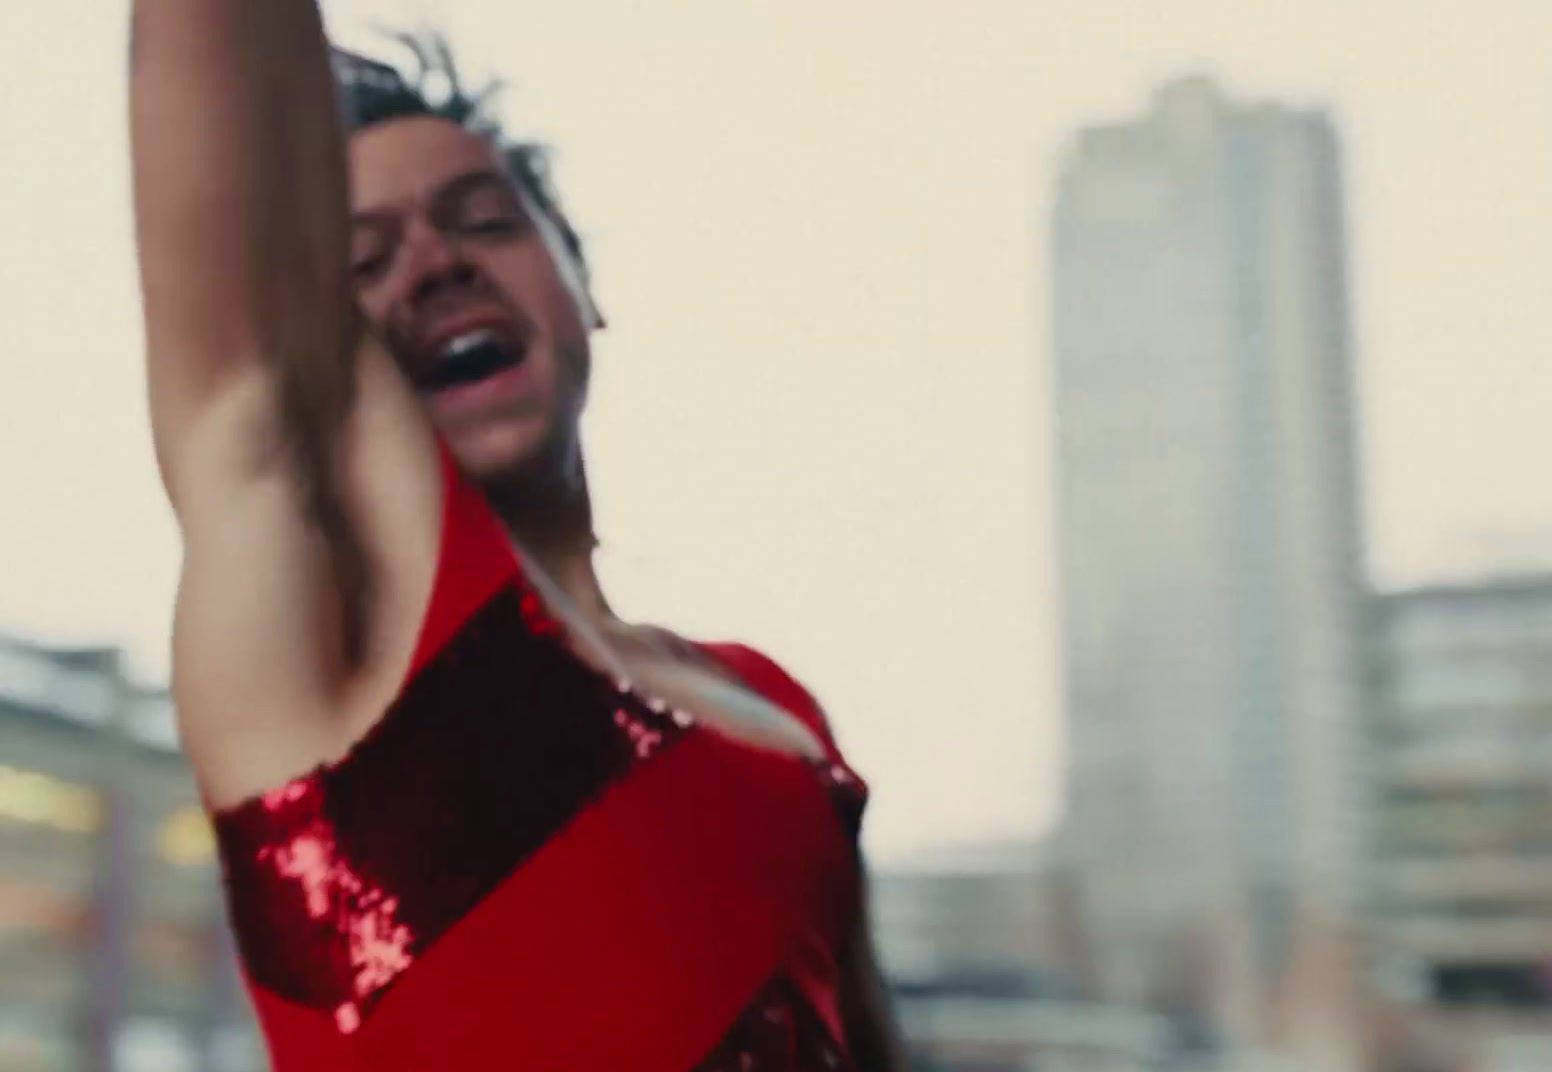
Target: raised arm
[(242, 221), (243, 229)]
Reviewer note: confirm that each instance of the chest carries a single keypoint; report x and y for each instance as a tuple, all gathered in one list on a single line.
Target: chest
[(679, 675), (665, 668)]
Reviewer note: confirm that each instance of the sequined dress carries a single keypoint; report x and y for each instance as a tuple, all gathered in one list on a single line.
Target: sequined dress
[(526, 865)]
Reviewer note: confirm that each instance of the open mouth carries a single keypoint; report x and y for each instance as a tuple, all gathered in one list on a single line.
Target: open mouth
[(471, 357)]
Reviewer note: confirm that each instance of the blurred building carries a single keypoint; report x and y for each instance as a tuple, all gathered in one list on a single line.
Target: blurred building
[(1210, 557), (1461, 890), (112, 942), (990, 918), (979, 948)]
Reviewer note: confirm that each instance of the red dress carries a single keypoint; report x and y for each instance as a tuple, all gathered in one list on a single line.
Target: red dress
[(526, 865)]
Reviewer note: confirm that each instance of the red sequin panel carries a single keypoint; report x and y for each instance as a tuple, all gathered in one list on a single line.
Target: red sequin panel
[(340, 880), (361, 917), (779, 1032)]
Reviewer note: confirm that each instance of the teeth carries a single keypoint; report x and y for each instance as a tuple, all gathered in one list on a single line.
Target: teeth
[(470, 357), (468, 342)]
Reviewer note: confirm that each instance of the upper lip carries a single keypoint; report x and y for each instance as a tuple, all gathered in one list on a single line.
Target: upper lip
[(432, 342), (428, 345)]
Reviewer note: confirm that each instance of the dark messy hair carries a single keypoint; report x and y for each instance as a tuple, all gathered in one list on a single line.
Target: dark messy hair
[(374, 92)]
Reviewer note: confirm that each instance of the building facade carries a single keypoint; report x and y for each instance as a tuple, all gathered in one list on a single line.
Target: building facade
[(1461, 888), (994, 918), (979, 946), (1211, 563), (113, 945)]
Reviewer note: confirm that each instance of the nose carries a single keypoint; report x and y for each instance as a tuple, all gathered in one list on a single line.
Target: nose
[(453, 276), (436, 265)]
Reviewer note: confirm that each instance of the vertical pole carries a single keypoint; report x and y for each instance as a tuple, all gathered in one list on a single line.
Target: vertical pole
[(108, 921)]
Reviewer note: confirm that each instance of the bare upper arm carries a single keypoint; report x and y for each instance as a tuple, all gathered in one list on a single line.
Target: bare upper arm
[(241, 222), (264, 688), (189, 169)]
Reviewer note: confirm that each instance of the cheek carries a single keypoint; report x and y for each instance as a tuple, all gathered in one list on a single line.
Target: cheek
[(374, 304), (536, 283)]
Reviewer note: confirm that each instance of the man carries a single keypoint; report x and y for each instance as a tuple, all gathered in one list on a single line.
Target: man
[(314, 332)]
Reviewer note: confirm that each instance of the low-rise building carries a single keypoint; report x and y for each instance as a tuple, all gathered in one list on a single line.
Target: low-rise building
[(1460, 887), (112, 936), (1461, 890)]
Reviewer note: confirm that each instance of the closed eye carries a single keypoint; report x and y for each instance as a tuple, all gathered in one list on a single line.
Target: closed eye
[(367, 269), (494, 226)]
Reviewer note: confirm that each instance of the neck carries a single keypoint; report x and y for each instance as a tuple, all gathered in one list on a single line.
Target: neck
[(551, 518), (574, 574)]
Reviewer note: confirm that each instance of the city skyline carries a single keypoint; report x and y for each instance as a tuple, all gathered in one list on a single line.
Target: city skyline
[(836, 279)]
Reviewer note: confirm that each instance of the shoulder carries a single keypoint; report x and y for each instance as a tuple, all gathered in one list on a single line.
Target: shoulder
[(767, 677)]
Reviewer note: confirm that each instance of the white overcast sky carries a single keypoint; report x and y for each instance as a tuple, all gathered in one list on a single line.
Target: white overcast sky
[(819, 226)]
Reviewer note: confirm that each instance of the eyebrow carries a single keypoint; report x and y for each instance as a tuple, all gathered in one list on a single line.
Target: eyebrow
[(450, 191)]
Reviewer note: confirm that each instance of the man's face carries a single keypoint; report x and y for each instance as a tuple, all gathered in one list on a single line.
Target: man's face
[(455, 274)]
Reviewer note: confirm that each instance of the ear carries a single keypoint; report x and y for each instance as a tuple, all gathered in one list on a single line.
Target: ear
[(575, 277), (572, 274), (577, 280), (592, 316)]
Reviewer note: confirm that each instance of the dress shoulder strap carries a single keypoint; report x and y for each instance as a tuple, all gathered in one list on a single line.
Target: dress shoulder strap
[(475, 560)]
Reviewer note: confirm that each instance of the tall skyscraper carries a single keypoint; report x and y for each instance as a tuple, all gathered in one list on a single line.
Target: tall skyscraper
[(1210, 554)]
